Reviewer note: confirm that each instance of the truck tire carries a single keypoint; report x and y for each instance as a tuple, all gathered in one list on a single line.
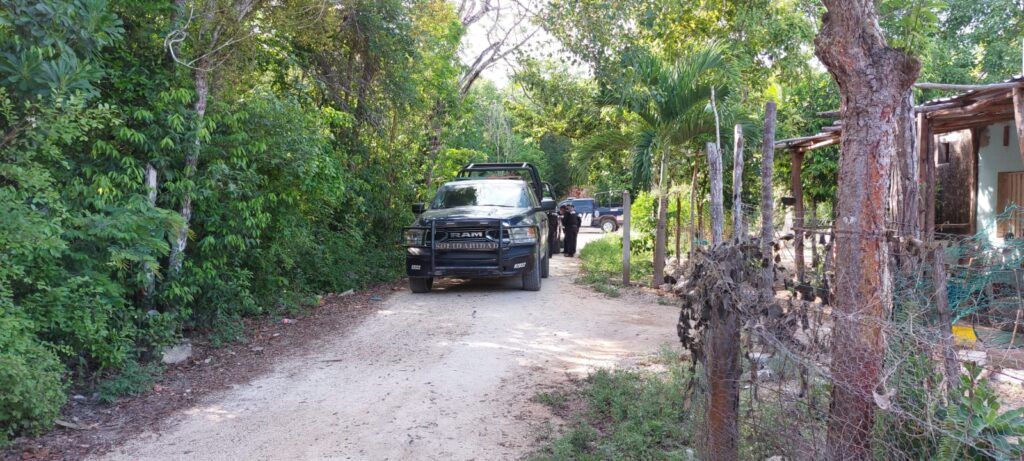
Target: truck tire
[(545, 267), (609, 225), (531, 276), (420, 284)]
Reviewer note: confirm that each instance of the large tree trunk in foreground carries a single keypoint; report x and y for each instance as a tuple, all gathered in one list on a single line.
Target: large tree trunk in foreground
[(873, 81)]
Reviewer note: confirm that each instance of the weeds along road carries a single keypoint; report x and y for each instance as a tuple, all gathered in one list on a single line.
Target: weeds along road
[(445, 375)]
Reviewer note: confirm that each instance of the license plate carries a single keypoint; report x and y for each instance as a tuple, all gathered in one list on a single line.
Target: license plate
[(467, 246)]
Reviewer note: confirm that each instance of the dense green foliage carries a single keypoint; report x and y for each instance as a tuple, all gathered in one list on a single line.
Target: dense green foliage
[(167, 171)]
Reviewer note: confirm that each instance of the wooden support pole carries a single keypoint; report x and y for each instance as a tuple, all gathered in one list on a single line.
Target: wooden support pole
[(625, 237), (798, 212), (767, 163), (1018, 117), (739, 227), (717, 200)]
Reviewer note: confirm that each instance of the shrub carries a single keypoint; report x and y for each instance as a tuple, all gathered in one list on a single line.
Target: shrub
[(31, 377)]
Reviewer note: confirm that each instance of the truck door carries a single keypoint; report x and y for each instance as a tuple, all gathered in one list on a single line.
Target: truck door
[(585, 208)]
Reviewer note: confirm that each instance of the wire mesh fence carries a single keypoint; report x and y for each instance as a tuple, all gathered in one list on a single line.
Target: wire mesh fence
[(929, 374)]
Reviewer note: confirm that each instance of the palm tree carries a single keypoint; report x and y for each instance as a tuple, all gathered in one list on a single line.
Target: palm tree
[(670, 108)]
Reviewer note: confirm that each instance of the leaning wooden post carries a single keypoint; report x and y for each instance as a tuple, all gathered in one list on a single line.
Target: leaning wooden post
[(767, 163), (739, 227), (625, 237), (797, 156), (717, 205)]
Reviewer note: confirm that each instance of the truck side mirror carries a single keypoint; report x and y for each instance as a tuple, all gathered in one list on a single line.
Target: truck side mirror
[(418, 208), (547, 204)]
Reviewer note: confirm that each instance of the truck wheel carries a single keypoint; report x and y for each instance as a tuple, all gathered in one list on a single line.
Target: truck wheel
[(545, 267), (531, 277), (609, 225), (420, 284)]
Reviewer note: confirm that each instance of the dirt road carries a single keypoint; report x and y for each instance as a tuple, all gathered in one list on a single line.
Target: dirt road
[(444, 375)]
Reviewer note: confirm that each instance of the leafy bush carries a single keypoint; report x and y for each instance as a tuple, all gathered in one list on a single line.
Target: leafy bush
[(31, 379)]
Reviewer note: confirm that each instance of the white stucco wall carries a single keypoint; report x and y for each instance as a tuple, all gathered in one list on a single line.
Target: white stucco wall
[(993, 158)]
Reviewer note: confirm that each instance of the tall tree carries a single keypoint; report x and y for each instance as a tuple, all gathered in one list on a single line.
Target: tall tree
[(670, 105), (217, 27), (874, 80)]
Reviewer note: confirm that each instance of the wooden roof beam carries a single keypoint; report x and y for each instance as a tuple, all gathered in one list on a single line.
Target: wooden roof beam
[(960, 87)]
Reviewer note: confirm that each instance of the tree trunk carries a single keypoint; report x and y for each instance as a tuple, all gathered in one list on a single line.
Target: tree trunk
[(739, 226), (202, 86), (151, 191), (722, 352), (659, 236), (434, 144), (717, 207), (693, 206), (767, 164), (873, 81), (679, 227)]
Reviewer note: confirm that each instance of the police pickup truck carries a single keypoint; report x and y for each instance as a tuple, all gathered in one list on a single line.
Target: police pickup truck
[(603, 211), (491, 221)]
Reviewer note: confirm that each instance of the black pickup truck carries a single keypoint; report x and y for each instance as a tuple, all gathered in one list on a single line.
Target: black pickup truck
[(491, 221)]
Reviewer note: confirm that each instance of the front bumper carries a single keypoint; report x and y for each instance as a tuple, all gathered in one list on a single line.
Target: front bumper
[(490, 257), (421, 262)]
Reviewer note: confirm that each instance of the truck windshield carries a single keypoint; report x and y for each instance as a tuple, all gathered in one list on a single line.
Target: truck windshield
[(476, 194)]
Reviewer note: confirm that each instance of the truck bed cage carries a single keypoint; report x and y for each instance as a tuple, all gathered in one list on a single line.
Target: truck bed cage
[(481, 170)]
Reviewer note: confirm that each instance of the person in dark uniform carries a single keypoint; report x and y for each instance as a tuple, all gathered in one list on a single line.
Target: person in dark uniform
[(571, 226), (553, 219)]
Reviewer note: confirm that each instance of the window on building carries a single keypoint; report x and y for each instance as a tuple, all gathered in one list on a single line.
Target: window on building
[(943, 153)]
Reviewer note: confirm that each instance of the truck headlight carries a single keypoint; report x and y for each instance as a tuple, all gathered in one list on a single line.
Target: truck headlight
[(522, 235), (413, 237)]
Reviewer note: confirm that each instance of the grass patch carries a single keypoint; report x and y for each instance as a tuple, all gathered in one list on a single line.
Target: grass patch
[(629, 415), (555, 400), (133, 379), (601, 265)]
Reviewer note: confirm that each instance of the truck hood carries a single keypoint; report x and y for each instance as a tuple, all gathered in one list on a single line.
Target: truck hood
[(474, 212)]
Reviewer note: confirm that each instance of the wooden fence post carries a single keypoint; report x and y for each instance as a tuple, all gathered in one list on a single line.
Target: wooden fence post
[(625, 237), (739, 226), (767, 163), (798, 213), (717, 205)]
